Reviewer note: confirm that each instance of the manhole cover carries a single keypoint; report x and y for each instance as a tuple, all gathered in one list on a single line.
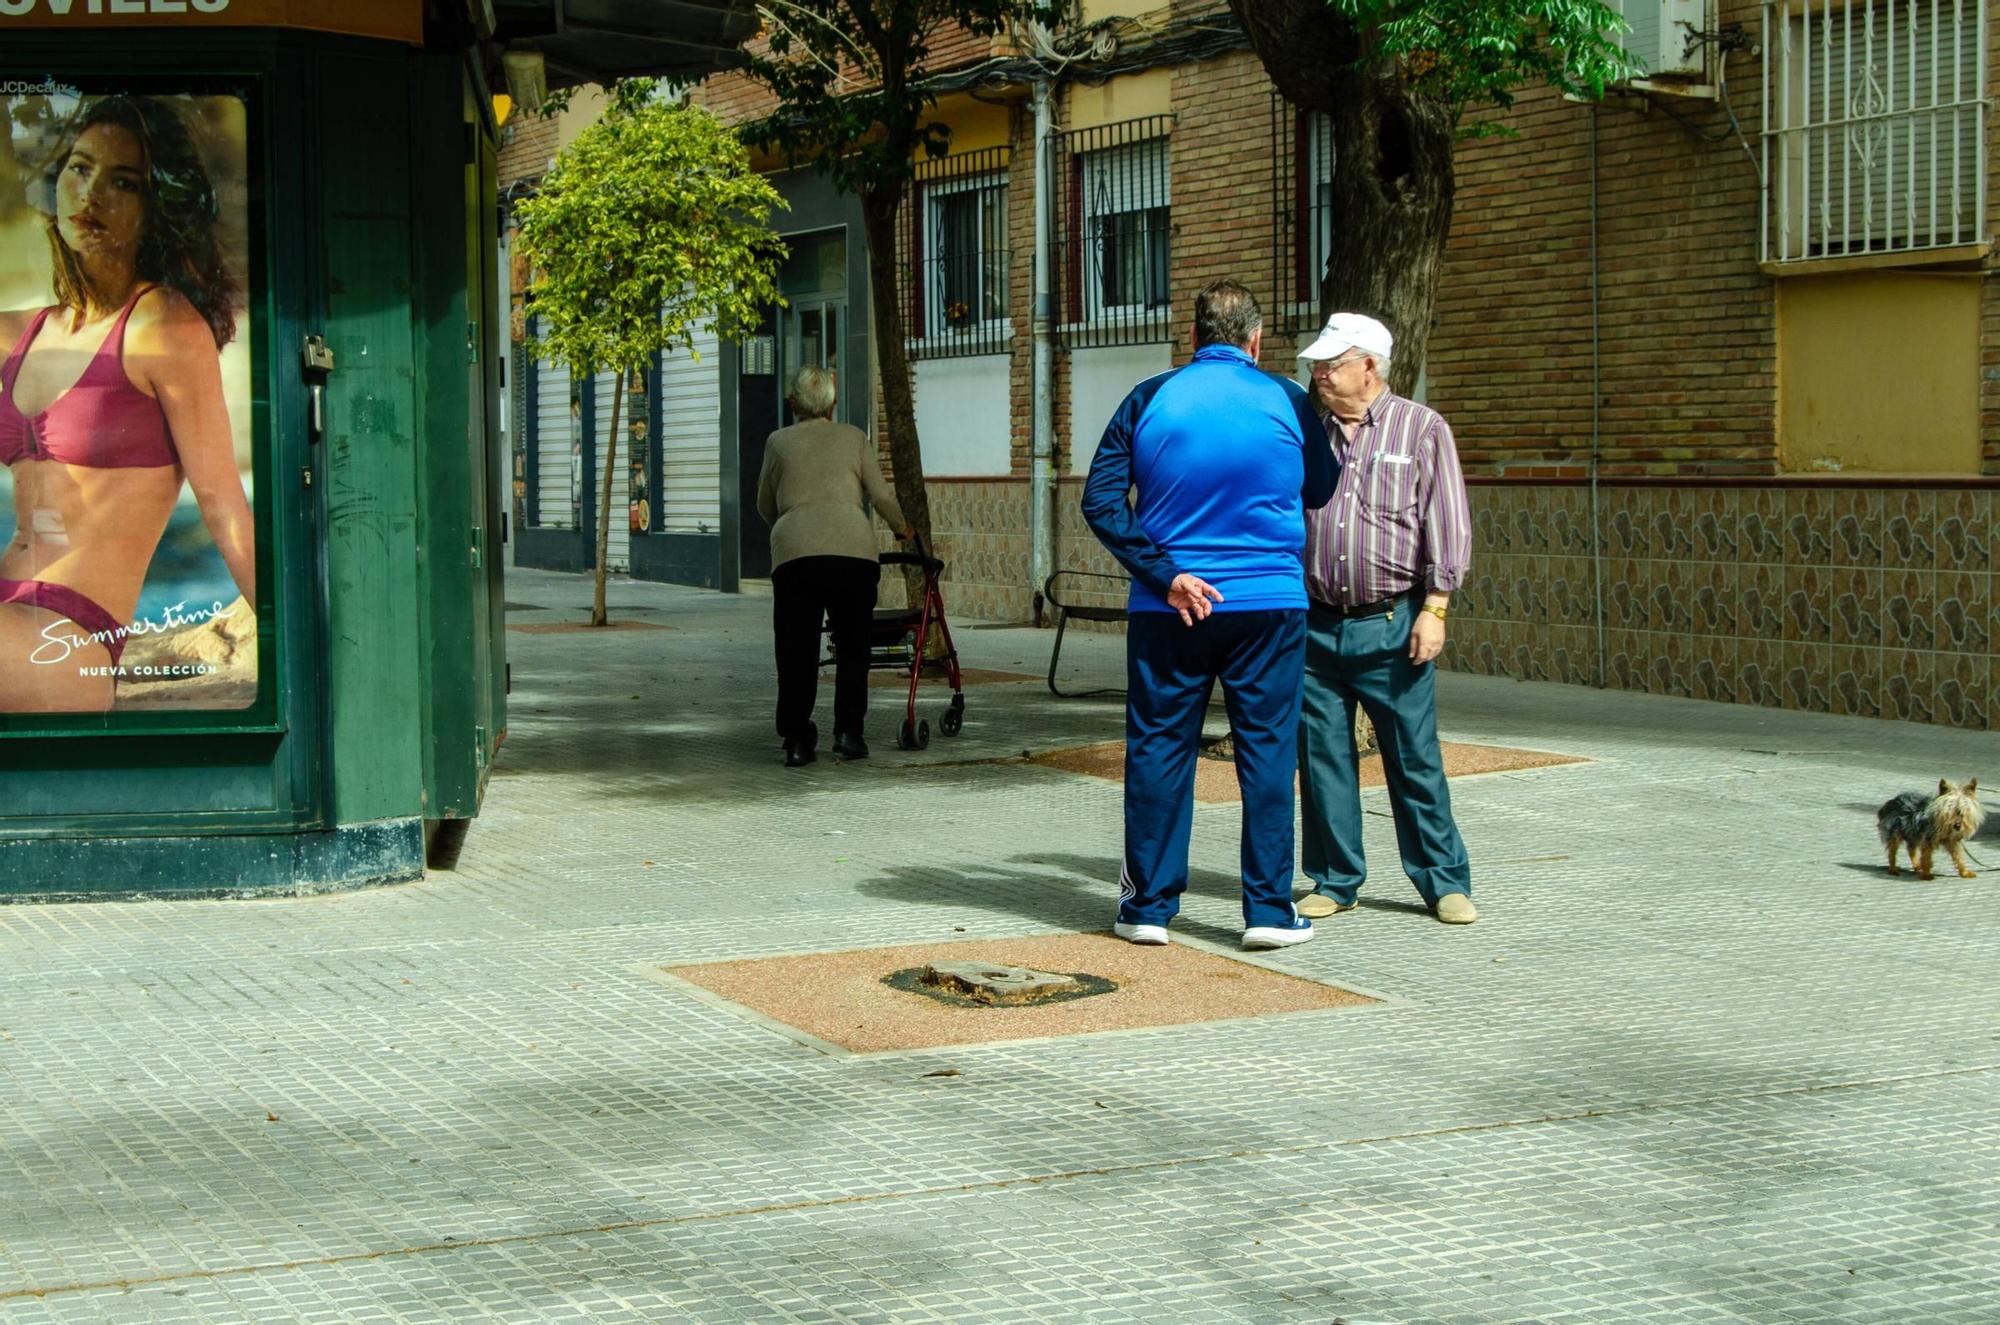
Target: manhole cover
[(995, 984)]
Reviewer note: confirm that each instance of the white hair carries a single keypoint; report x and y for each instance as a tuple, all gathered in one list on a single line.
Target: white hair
[(812, 393)]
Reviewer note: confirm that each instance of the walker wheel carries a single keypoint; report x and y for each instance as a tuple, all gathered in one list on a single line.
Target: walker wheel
[(951, 720), (913, 738)]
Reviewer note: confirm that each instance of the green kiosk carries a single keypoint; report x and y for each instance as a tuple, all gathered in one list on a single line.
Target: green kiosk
[(251, 498)]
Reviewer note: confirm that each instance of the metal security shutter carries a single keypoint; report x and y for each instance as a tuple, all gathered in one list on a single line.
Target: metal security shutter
[(556, 468), (691, 437), (618, 549)]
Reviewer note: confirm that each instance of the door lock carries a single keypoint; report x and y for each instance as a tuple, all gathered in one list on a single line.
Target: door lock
[(318, 360)]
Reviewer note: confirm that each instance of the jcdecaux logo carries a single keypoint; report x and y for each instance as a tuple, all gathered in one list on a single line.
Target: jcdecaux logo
[(66, 8)]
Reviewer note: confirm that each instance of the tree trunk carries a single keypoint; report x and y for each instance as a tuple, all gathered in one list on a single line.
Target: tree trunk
[(878, 211), (1393, 180), (598, 616)]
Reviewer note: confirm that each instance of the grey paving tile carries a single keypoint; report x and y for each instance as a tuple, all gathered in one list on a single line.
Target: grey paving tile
[(1699, 1062)]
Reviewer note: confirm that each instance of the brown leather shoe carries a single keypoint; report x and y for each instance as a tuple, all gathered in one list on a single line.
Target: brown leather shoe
[(1318, 906), (1456, 909)]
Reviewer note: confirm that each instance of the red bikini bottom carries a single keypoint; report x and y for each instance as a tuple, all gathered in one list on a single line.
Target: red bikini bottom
[(85, 615)]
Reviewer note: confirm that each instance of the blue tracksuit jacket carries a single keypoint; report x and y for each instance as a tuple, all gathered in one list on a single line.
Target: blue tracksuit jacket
[(1226, 459)]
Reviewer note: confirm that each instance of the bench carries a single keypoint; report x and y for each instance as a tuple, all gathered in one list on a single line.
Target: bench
[(1081, 594)]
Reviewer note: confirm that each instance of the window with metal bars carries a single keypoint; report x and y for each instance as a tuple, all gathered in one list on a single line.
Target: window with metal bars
[(1113, 246), (1874, 127), (1301, 213), (956, 260)]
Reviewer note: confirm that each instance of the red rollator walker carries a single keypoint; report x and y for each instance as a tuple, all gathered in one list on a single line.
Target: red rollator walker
[(899, 639)]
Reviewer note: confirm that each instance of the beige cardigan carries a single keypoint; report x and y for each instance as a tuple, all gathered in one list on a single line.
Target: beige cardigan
[(815, 474)]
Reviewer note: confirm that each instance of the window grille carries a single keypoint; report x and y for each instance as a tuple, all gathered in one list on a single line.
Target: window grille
[(956, 259), (1113, 246), (1874, 127), (1301, 213)]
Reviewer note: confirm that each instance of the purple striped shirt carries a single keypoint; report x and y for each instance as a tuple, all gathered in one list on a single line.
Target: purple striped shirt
[(1399, 519)]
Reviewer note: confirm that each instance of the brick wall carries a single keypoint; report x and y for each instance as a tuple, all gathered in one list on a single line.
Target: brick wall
[(527, 144), (735, 98), (1224, 197), (1686, 331)]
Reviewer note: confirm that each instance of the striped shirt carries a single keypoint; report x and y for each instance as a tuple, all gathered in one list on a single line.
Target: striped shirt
[(1398, 520)]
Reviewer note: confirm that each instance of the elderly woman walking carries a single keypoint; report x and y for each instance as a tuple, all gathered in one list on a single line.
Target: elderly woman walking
[(824, 563)]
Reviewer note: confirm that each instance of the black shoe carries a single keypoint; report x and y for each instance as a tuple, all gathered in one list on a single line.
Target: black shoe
[(804, 750), (849, 747)]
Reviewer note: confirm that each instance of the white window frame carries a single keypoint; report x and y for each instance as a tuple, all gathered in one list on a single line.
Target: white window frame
[(1888, 158), (993, 184), (1104, 171)]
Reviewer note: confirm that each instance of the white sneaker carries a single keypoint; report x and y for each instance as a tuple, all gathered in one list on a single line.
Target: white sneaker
[(1153, 935), (1278, 936)]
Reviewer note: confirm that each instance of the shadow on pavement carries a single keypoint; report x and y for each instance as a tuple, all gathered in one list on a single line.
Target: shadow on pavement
[(1082, 891)]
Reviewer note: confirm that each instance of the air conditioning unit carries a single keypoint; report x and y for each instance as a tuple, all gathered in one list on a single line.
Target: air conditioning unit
[(1661, 41)]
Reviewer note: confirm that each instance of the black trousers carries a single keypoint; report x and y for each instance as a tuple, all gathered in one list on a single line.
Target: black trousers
[(805, 591)]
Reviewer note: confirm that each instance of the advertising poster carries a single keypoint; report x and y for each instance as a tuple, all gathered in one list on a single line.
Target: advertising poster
[(128, 555)]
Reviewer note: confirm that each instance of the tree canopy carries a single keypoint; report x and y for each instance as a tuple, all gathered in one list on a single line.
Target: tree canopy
[(1401, 81), (649, 225), (1477, 53)]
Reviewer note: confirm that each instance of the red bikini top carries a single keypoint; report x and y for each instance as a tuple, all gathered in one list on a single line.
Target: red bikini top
[(103, 422)]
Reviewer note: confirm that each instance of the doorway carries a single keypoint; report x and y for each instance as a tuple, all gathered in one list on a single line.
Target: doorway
[(807, 331)]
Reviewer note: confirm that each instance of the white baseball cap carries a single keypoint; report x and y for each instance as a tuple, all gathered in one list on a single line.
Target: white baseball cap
[(1350, 331)]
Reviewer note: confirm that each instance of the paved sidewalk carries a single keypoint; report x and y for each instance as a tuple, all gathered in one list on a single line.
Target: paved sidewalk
[(1700, 1061)]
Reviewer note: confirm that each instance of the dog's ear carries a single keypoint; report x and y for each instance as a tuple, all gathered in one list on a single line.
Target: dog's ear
[(1971, 788), (1944, 787)]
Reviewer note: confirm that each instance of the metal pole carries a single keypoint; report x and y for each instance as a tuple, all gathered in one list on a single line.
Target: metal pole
[(1596, 430), (1041, 481)]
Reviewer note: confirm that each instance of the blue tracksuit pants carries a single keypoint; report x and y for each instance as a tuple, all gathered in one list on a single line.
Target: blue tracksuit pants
[(1171, 669), (1366, 661)]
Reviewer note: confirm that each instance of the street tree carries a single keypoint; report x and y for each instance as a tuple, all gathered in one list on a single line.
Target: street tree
[(1401, 82), (853, 105), (648, 226)]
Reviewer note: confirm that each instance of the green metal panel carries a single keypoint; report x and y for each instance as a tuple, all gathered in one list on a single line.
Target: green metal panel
[(373, 576), (456, 445), (483, 203)]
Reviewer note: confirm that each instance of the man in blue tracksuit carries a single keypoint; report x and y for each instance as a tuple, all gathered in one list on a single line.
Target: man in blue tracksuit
[(1226, 459)]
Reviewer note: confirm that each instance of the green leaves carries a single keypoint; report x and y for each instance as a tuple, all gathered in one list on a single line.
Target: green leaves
[(650, 224), (848, 78), (1476, 53)]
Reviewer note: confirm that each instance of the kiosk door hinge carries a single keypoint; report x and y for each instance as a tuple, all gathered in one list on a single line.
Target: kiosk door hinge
[(472, 342)]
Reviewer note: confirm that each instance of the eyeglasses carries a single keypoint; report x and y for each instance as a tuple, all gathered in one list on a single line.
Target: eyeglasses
[(1328, 365)]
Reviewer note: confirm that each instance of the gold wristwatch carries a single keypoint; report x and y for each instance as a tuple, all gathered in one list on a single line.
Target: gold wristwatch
[(1435, 609)]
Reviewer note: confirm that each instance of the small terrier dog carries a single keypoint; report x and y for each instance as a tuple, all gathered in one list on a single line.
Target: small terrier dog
[(1924, 823)]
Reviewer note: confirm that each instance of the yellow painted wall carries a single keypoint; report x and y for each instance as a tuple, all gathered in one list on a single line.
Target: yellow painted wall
[(1878, 372), (582, 112), (1150, 93), (975, 125), (1090, 11)]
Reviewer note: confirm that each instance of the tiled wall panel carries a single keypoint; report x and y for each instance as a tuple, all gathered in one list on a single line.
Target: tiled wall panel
[(1875, 602)]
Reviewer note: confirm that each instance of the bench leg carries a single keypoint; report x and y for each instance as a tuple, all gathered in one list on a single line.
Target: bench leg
[(1055, 652)]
